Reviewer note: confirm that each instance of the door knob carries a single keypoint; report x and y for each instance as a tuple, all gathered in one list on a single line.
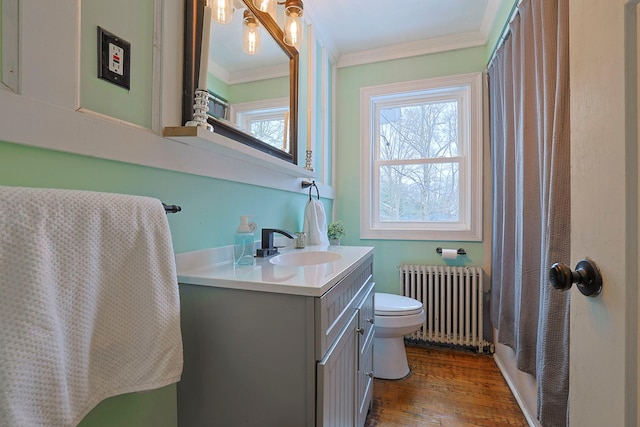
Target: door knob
[(587, 277)]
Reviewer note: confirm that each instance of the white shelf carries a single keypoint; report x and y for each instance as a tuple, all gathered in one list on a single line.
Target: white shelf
[(206, 140), (237, 162)]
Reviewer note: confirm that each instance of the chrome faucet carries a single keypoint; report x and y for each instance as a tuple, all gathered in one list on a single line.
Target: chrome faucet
[(267, 248)]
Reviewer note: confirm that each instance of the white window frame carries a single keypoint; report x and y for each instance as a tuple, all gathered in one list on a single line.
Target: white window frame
[(246, 112), (468, 89), (263, 109)]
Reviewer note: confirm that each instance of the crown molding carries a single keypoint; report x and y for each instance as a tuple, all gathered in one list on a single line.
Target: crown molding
[(489, 17), (416, 48), (263, 73), (320, 32), (218, 71), (252, 75)]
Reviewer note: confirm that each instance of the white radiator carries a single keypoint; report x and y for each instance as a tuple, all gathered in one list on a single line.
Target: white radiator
[(453, 303)]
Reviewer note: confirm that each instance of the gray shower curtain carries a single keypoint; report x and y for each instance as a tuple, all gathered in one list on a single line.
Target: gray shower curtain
[(529, 116)]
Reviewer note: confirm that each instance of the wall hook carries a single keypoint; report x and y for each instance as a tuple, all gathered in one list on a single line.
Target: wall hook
[(310, 185)]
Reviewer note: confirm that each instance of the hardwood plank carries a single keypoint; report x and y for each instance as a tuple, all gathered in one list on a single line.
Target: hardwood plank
[(445, 388)]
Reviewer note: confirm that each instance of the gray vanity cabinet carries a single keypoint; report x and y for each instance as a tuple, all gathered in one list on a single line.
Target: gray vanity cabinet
[(255, 358)]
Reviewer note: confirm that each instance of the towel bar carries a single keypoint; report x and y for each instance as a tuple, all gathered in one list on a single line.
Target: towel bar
[(171, 208), (311, 184)]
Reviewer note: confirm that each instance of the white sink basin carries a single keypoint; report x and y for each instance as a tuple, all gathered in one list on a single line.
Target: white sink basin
[(297, 259)]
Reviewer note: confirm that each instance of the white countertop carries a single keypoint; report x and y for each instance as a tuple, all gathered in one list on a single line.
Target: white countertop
[(213, 267)]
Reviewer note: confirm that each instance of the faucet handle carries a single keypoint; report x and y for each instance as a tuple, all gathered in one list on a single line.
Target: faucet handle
[(265, 252), (267, 248)]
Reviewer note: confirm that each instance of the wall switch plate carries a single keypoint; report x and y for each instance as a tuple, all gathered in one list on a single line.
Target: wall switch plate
[(114, 58)]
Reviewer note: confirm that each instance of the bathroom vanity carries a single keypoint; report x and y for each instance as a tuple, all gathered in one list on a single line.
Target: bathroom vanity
[(277, 345)]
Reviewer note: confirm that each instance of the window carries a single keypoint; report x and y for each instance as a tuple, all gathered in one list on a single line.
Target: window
[(422, 160), (266, 120), (218, 106), (268, 125)]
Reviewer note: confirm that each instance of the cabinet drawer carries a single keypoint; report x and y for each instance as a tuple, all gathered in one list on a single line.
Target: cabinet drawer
[(333, 310)]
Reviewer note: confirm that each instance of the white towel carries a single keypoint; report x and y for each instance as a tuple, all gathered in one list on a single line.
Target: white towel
[(89, 303), (315, 223)]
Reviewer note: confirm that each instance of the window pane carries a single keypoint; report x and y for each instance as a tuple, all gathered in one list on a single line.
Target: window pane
[(418, 131), (419, 193), (270, 131)]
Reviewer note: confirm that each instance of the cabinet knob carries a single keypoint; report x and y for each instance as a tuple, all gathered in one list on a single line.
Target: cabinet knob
[(370, 321), (370, 374), (361, 330)]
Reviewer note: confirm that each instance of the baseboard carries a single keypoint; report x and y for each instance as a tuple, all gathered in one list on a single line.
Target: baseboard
[(531, 419)]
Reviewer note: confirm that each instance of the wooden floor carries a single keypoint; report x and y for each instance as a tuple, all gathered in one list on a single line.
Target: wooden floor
[(445, 388)]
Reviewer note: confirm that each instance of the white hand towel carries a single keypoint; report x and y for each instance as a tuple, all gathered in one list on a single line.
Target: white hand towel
[(89, 303), (315, 223)]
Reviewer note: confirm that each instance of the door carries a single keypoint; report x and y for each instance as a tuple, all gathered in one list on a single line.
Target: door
[(337, 379), (604, 211)]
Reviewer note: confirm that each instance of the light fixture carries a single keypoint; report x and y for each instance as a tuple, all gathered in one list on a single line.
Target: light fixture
[(293, 23), (222, 11), (250, 33), (268, 6)]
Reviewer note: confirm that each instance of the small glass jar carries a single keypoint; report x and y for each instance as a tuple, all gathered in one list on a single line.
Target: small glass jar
[(301, 240)]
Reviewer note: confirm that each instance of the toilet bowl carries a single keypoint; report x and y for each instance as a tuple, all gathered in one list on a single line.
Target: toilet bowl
[(395, 317)]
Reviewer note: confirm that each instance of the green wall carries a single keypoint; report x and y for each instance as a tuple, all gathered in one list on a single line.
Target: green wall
[(259, 90), (211, 207), (218, 87), (132, 21), (391, 253), (153, 408)]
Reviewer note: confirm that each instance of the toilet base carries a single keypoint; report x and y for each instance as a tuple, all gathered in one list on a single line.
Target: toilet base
[(390, 358)]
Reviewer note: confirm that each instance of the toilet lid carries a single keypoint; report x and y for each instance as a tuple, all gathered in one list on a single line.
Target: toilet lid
[(396, 305)]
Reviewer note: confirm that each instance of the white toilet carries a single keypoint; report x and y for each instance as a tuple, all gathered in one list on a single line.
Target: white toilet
[(395, 317)]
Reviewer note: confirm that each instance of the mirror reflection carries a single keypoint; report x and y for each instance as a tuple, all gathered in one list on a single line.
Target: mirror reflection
[(249, 79), (252, 79)]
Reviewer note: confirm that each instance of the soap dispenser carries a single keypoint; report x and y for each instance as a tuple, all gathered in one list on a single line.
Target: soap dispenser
[(244, 245)]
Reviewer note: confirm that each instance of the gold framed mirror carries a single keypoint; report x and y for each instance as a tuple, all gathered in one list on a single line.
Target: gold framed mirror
[(194, 12)]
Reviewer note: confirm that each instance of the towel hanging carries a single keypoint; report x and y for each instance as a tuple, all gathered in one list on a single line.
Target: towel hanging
[(315, 223), (89, 302)]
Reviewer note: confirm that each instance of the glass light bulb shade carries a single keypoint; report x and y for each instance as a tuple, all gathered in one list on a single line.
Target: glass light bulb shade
[(293, 7), (268, 6), (250, 35), (222, 11), (293, 34)]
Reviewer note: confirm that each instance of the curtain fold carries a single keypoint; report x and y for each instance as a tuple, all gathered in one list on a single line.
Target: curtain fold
[(529, 91)]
